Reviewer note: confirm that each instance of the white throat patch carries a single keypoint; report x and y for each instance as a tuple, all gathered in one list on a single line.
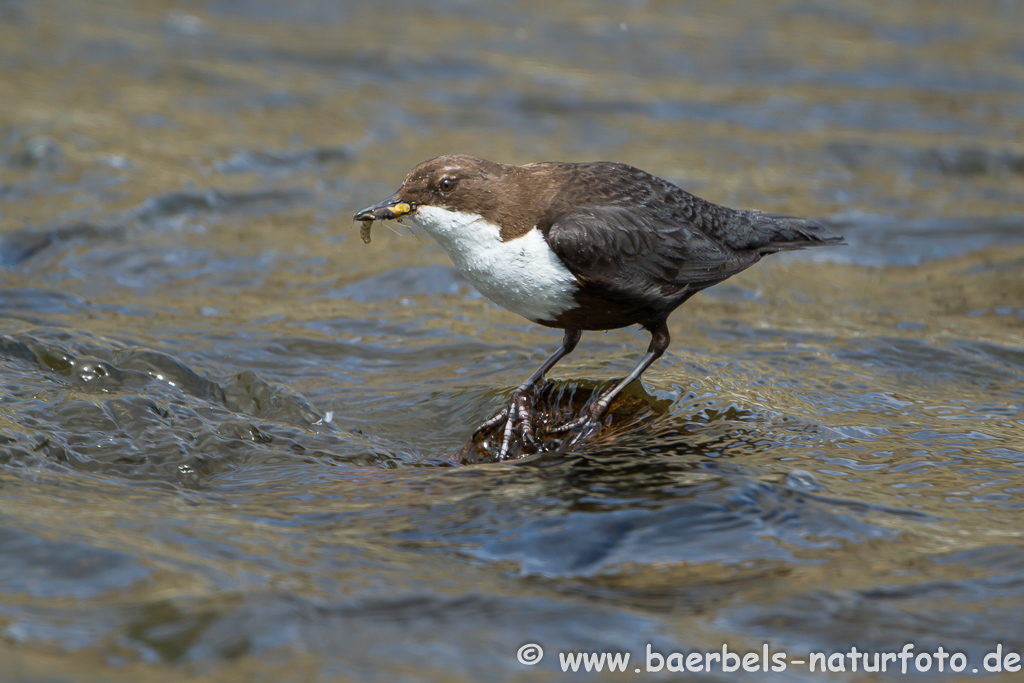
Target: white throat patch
[(522, 274)]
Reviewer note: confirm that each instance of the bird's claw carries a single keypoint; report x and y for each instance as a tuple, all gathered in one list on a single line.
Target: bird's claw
[(588, 422), (517, 419), (516, 414)]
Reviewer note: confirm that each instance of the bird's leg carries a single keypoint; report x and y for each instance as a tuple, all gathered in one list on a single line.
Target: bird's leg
[(518, 408), (591, 415)]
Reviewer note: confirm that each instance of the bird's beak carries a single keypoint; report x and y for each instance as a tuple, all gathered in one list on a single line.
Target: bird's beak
[(392, 207)]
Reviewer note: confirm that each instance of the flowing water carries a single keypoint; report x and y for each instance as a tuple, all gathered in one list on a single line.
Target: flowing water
[(225, 421)]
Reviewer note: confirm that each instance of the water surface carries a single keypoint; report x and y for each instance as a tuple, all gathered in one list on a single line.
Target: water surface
[(224, 419)]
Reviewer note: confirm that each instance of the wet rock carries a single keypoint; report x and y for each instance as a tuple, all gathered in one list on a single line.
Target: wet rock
[(556, 403)]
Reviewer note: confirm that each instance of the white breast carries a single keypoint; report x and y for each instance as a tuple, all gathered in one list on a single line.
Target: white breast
[(521, 274)]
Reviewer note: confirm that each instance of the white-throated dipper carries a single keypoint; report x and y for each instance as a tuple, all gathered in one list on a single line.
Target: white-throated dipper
[(584, 246)]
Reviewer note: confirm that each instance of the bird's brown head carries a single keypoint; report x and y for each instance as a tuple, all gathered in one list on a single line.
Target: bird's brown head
[(454, 181)]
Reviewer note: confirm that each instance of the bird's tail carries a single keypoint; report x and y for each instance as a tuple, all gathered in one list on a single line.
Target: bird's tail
[(768, 233)]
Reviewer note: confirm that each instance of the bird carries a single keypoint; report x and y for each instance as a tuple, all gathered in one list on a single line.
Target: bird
[(583, 246)]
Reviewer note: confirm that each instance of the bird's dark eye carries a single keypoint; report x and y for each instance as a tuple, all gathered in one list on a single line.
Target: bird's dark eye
[(446, 184)]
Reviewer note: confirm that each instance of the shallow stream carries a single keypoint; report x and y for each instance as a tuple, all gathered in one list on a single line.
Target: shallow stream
[(224, 419)]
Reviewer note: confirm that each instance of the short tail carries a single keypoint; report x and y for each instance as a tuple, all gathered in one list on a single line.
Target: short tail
[(768, 233)]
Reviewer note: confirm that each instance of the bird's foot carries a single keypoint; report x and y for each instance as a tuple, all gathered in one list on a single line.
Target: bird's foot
[(517, 416), (588, 422)]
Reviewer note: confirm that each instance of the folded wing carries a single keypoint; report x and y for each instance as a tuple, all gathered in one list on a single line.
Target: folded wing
[(655, 262)]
